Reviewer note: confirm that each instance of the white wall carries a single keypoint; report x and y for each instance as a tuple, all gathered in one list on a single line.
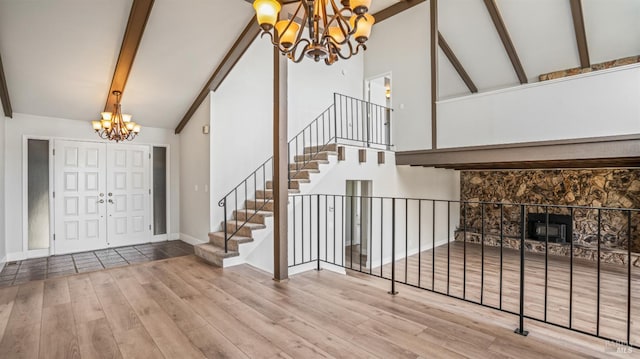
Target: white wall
[(400, 46), (312, 85), (602, 103), (241, 125), (194, 176), (29, 125)]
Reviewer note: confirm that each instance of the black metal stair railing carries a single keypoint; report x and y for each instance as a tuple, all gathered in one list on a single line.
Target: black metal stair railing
[(348, 120), (485, 253)]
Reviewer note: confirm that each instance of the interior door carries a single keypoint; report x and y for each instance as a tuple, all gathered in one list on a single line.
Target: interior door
[(80, 206), (128, 195)]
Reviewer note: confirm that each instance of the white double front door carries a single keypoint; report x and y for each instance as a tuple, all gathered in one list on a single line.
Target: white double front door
[(102, 195)]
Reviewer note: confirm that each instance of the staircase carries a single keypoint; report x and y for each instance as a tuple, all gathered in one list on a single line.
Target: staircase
[(252, 217)]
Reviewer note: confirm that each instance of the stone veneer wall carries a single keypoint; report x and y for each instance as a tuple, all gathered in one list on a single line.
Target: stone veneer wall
[(613, 188), (578, 70)]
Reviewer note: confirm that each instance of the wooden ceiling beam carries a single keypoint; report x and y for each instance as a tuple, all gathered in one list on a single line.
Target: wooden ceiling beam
[(492, 7), (581, 35), (4, 93), (395, 9), (453, 59), (138, 17), (250, 32)]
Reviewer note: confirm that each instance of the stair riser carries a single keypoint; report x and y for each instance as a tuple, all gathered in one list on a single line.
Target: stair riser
[(219, 241), (260, 205), (301, 165), (301, 175), (209, 257), (244, 231), (242, 216), (313, 149), (323, 156), (292, 185)]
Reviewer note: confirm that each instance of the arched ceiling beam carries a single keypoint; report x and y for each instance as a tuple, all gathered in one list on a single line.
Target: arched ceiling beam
[(138, 17), (492, 7), (581, 36), (453, 59), (4, 93)]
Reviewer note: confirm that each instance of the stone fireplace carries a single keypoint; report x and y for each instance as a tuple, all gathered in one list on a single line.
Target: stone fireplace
[(592, 188)]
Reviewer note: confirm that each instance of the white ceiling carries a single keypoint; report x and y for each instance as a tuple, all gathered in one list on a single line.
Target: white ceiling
[(542, 33), (59, 55)]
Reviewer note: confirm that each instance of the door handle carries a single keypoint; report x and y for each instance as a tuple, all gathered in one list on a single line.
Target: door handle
[(110, 194), (110, 201), (101, 201)]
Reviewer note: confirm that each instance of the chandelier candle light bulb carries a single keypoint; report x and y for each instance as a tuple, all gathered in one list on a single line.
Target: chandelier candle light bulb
[(116, 126), (334, 32)]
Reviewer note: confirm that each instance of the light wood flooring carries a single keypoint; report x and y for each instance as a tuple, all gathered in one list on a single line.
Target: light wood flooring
[(183, 308), (584, 304)]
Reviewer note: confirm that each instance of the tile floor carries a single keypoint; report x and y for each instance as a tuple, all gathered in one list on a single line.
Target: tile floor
[(56, 266)]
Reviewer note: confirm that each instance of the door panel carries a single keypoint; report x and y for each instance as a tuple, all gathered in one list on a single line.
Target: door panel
[(79, 188), (128, 195)]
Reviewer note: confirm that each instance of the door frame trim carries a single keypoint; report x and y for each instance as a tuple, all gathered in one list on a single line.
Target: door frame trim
[(36, 253)]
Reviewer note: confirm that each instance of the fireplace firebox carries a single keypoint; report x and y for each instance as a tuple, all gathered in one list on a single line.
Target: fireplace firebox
[(559, 228)]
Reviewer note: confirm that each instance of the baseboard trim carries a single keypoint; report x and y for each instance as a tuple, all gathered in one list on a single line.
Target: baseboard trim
[(191, 240), (16, 256), (174, 236), (3, 262)]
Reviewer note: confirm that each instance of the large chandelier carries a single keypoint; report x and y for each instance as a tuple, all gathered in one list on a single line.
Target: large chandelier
[(331, 28), (116, 126)]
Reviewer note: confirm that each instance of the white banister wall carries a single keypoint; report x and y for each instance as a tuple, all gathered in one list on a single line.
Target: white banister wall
[(603, 103)]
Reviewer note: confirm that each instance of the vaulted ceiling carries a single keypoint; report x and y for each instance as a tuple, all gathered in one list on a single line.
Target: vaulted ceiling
[(59, 56)]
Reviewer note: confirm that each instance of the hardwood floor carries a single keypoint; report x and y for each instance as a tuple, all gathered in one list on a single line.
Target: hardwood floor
[(183, 308), (483, 286)]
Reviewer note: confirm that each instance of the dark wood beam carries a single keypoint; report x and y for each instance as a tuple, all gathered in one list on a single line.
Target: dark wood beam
[(492, 7), (234, 54), (581, 36), (433, 14), (4, 93), (456, 63), (280, 169), (138, 17), (610, 151), (395, 9)]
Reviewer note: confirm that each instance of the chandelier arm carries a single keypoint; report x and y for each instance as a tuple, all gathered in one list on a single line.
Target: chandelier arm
[(292, 54), (351, 52)]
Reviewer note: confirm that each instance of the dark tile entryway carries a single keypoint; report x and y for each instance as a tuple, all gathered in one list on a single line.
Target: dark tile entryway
[(56, 266)]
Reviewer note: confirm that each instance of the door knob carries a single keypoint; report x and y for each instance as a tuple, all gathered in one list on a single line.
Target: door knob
[(110, 194), (101, 194)]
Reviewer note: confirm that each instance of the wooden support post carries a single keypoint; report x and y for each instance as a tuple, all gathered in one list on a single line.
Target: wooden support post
[(280, 168), (433, 10)]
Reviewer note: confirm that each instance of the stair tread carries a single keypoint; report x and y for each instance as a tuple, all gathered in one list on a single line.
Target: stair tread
[(217, 251), (251, 225), (237, 238), (259, 213)]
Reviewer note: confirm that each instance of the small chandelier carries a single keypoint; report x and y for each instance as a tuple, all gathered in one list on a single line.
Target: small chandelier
[(116, 126), (331, 28)]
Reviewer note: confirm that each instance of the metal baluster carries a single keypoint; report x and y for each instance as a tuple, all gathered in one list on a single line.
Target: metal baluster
[(629, 240), (318, 229), (226, 250), (370, 237), (295, 235), (448, 243), (406, 239), (501, 248), (464, 252), (361, 237), (520, 330), (419, 240), (598, 266), (571, 274), (546, 261), (393, 247), (433, 246), (482, 253)]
